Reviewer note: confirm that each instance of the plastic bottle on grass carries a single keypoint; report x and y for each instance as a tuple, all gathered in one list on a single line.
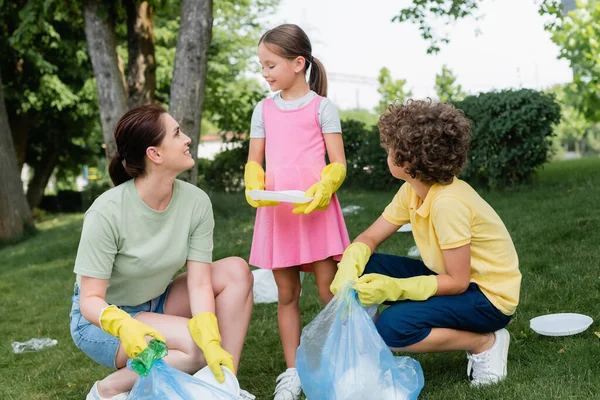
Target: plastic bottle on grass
[(32, 345)]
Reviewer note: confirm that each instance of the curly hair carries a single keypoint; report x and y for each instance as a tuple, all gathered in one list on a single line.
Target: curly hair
[(433, 138)]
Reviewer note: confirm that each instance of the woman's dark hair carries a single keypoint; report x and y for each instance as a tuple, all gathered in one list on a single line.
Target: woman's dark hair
[(290, 41), (138, 129)]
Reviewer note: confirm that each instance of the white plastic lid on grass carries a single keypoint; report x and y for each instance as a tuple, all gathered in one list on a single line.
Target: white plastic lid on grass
[(286, 196), (564, 324)]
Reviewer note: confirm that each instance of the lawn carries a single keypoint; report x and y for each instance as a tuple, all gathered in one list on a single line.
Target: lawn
[(554, 223)]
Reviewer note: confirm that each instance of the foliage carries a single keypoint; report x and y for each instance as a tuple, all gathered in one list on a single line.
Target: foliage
[(367, 117), (226, 171), (230, 96), (511, 135), (49, 82), (366, 160), (578, 36), (423, 13), (446, 87), (93, 190), (391, 90), (571, 131), (420, 12)]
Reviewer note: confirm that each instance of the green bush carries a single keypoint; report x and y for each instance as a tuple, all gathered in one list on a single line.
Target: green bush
[(511, 136), (226, 171), (64, 201), (366, 159), (93, 190)]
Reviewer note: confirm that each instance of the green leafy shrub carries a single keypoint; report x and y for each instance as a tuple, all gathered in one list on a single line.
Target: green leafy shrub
[(511, 135), (226, 171), (366, 159), (93, 190)]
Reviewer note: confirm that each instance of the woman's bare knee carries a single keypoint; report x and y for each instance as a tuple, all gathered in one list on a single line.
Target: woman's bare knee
[(241, 271)]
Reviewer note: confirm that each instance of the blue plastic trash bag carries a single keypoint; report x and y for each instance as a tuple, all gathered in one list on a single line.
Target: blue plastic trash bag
[(159, 381), (342, 357)]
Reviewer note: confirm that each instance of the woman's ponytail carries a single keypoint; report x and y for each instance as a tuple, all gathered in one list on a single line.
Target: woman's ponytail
[(116, 170)]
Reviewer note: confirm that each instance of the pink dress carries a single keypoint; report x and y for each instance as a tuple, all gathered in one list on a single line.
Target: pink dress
[(295, 156)]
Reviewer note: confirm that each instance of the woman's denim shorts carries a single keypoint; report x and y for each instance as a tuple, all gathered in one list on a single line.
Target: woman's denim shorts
[(101, 346)]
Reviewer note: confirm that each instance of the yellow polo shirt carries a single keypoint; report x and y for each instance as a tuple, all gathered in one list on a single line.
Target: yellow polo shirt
[(452, 216)]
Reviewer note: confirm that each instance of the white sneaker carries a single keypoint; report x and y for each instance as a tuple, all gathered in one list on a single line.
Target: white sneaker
[(490, 366), (288, 385), (244, 395), (94, 395)]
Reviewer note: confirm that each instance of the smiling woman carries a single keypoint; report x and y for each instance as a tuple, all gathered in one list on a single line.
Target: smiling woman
[(135, 238)]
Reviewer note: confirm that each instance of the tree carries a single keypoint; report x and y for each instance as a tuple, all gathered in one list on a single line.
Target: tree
[(141, 65), (390, 90), (102, 48), (574, 132), (15, 216), (423, 12), (446, 87), (47, 76), (578, 36), (235, 35), (230, 96), (189, 74)]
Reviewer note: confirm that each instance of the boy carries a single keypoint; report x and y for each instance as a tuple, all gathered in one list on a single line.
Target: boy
[(464, 292)]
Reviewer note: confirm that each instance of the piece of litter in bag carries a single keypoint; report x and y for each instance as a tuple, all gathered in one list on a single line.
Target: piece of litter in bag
[(351, 210), (158, 380), (33, 345), (414, 252), (343, 357), (405, 228)]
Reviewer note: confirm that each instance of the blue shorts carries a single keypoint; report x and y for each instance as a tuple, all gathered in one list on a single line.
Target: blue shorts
[(101, 346), (408, 322)]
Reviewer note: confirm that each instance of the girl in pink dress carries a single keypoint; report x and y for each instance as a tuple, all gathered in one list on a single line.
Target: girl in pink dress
[(291, 132)]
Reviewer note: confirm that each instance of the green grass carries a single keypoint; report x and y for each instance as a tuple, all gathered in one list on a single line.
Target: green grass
[(555, 224)]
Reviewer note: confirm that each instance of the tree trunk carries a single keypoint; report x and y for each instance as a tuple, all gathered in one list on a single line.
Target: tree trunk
[(141, 68), (15, 216), (189, 74), (43, 171), (101, 41), (19, 126)]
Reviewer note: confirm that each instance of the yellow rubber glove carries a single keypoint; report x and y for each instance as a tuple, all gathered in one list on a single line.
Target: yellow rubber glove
[(205, 332), (131, 331), (332, 177), (351, 266), (374, 289), (254, 179)]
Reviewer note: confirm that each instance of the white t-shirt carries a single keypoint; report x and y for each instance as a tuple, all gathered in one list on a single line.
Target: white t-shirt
[(329, 117)]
